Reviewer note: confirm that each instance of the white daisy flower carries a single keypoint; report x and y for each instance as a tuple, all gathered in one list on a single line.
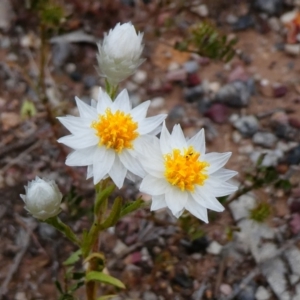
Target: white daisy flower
[(106, 135), (181, 176), (120, 52)]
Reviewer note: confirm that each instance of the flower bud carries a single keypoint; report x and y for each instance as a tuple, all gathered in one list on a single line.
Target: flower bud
[(119, 54), (42, 198)]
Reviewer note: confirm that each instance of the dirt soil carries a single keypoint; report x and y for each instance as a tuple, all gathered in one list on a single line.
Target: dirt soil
[(148, 252)]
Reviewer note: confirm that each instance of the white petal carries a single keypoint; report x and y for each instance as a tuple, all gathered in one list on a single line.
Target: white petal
[(148, 146), (139, 112), (156, 131), (149, 124), (94, 103), (206, 199), (104, 101), (122, 102), (176, 200), (85, 111), (75, 124), (179, 213), (154, 186), (158, 202), (80, 141), (165, 140), (198, 142), (118, 172), (197, 210), (178, 140), (89, 173), (219, 188), (131, 163), (216, 161), (82, 157), (223, 174), (103, 161), (132, 177)]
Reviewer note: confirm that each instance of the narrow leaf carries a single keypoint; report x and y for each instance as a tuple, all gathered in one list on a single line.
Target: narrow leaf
[(73, 258), (114, 214), (101, 197), (104, 278), (131, 207)]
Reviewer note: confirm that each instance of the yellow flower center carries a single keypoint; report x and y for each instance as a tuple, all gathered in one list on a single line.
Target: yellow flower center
[(185, 170), (116, 130)]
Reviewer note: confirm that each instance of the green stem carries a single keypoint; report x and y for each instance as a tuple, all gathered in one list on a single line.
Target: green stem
[(64, 229), (100, 206)]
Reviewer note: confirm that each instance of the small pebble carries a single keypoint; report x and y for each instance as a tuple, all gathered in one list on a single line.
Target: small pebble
[(191, 66), (214, 248), (262, 293), (140, 77), (225, 289)]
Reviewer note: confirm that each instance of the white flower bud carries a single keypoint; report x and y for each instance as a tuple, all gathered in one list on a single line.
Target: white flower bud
[(42, 198), (119, 54)]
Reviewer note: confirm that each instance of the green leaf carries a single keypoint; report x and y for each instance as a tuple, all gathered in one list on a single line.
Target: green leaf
[(78, 275), (28, 109), (76, 286), (114, 214), (103, 195), (131, 207), (104, 278), (58, 286), (73, 258)]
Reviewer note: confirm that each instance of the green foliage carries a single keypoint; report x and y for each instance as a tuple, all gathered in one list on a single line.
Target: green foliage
[(104, 278), (191, 226), (50, 12), (131, 206), (206, 40), (73, 201), (101, 197), (73, 258), (114, 215), (261, 212), (28, 109)]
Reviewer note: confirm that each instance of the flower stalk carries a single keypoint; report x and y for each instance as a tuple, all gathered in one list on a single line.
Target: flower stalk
[(64, 229)]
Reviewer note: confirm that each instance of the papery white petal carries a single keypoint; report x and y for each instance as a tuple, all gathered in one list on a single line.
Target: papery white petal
[(103, 161), (84, 140), (82, 157), (139, 112), (122, 102), (219, 188), (176, 200), (150, 124), (206, 199), (197, 210), (223, 174), (85, 111), (148, 145), (131, 163), (118, 172), (198, 142), (216, 161), (104, 101), (75, 124), (89, 173), (158, 202), (154, 186), (165, 140), (178, 140)]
